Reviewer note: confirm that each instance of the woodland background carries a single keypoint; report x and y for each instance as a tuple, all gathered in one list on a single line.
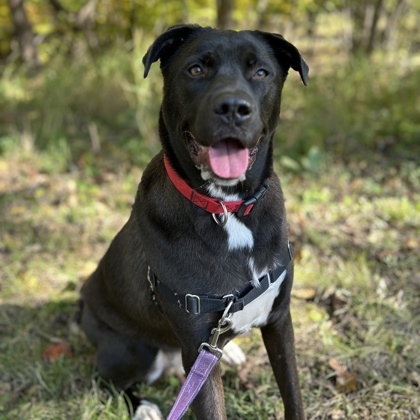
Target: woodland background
[(78, 124)]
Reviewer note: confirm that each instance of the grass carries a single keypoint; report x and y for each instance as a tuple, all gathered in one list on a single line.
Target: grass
[(355, 298), (73, 143)]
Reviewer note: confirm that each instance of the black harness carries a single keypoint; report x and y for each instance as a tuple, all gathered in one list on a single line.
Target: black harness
[(202, 304)]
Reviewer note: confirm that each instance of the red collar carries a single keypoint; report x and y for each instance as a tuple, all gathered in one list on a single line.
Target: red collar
[(209, 204)]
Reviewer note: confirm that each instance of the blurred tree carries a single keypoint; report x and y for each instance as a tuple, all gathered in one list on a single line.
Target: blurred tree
[(262, 7), (82, 21), (224, 13), (24, 33), (365, 16), (39, 30)]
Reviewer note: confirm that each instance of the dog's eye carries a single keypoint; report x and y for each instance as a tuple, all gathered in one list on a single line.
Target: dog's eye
[(195, 70), (261, 73)]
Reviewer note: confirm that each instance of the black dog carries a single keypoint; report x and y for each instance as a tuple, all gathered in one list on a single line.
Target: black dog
[(208, 231)]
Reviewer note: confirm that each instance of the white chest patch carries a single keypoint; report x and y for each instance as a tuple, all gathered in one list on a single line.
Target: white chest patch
[(239, 236), (256, 313)]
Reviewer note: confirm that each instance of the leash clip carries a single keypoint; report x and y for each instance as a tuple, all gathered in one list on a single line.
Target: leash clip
[(224, 325)]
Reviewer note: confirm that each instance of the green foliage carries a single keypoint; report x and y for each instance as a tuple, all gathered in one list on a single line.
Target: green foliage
[(88, 102), (82, 108), (357, 109), (68, 27), (103, 106)]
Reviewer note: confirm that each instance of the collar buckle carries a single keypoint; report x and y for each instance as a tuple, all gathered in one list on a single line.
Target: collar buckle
[(248, 205)]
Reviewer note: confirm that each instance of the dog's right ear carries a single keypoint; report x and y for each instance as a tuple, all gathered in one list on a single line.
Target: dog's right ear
[(167, 44)]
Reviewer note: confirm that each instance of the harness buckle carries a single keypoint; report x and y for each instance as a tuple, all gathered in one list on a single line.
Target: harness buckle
[(230, 297), (192, 304)]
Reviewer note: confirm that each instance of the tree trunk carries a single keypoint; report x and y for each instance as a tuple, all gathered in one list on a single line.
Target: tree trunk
[(357, 14), (82, 21), (184, 11), (391, 21), (24, 34), (372, 26), (85, 19), (262, 7), (224, 14)]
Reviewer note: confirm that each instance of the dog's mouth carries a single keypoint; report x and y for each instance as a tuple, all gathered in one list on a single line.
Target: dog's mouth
[(227, 159)]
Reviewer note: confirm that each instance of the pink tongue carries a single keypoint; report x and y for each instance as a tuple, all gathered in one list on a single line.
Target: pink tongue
[(228, 159)]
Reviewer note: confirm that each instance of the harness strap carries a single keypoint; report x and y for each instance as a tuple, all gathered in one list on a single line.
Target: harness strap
[(201, 304)]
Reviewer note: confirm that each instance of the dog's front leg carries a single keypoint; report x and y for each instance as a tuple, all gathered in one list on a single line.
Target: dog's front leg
[(279, 341), (209, 403)]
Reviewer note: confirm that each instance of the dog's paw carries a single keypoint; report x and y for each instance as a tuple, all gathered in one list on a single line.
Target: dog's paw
[(233, 355), (147, 411), (166, 362)]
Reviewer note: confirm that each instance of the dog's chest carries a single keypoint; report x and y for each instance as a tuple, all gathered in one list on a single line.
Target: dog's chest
[(256, 313)]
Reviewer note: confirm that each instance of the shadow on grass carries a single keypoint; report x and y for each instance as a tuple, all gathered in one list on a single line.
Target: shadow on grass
[(37, 383), (27, 377)]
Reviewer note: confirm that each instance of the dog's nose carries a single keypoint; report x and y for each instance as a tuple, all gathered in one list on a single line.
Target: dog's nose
[(233, 109)]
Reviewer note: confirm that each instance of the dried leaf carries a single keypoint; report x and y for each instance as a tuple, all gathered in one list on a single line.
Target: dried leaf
[(336, 414), (346, 382), (414, 378), (304, 293), (336, 366), (54, 351)]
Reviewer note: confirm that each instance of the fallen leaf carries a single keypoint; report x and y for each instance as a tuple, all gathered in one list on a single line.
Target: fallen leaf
[(304, 293), (414, 378), (336, 366), (411, 243), (346, 382), (337, 414), (54, 351)]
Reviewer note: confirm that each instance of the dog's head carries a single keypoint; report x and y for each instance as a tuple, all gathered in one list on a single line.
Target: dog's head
[(221, 101)]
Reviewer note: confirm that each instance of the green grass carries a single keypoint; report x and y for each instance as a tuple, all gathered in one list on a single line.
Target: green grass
[(355, 247), (73, 143)]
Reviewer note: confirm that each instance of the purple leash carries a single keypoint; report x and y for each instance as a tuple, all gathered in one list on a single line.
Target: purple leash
[(198, 375), (208, 356)]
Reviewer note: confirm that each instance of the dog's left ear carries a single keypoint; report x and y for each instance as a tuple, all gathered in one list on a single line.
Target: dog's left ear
[(287, 54), (167, 44)]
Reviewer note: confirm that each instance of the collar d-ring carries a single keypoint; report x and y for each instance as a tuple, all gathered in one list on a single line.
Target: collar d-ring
[(223, 218)]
